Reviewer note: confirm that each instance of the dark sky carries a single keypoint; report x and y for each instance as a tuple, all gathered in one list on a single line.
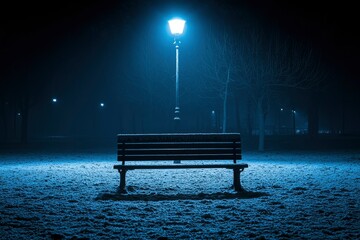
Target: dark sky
[(330, 25), (28, 30)]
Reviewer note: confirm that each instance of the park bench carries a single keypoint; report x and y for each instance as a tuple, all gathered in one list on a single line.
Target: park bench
[(207, 150)]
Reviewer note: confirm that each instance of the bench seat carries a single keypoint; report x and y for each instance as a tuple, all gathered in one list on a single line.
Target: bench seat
[(182, 166)]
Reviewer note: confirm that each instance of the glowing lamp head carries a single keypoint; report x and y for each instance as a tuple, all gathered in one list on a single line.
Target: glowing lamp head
[(102, 105), (54, 100), (176, 26)]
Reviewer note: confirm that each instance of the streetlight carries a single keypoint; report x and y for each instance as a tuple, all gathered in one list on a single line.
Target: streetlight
[(294, 123), (280, 120), (53, 117), (213, 121), (177, 28)]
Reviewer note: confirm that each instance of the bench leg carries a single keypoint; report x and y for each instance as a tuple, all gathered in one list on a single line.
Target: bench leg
[(237, 183), (122, 180)]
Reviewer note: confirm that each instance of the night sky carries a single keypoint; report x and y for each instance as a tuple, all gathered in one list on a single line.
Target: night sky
[(30, 29), (88, 52)]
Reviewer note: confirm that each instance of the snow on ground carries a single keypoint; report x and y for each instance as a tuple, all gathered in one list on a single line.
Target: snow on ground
[(302, 195)]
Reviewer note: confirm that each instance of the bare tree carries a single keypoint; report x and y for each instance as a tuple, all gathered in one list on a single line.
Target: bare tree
[(261, 63), (269, 62), (219, 66)]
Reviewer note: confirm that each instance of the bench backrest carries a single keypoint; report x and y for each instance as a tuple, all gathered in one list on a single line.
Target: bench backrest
[(189, 146)]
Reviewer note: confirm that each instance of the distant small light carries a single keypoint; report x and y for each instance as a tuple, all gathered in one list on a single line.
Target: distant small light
[(19, 114), (281, 109), (54, 100), (293, 111), (102, 105)]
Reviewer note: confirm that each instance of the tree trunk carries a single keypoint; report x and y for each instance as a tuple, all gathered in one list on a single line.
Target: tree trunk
[(3, 122), (249, 118), (261, 119), (313, 116), (237, 112), (225, 102)]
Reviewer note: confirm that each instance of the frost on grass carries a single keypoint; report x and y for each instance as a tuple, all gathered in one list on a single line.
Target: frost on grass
[(73, 196)]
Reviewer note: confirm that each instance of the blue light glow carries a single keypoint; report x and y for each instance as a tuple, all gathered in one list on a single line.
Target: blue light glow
[(54, 100), (176, 26), (102, 105)]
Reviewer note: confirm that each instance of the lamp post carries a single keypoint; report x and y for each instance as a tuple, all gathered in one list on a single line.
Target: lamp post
[(294, 123), (177, 28), (54, 115), (281, 120)]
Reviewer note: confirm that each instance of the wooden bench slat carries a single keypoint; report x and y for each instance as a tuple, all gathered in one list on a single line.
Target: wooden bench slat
[(177, 151), (179, 157), (180, 145), (197, 137), (182, 166)]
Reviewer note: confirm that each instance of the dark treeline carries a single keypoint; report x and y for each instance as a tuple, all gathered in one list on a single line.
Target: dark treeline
[(241, 69)]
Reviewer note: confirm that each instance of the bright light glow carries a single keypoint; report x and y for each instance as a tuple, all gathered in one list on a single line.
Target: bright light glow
[(294, 111), (281, 109), (54, 100), (19, 114), (102, 104), (176, 26)]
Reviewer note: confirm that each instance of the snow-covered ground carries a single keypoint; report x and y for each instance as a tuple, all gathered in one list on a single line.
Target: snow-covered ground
[(293, 195)]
